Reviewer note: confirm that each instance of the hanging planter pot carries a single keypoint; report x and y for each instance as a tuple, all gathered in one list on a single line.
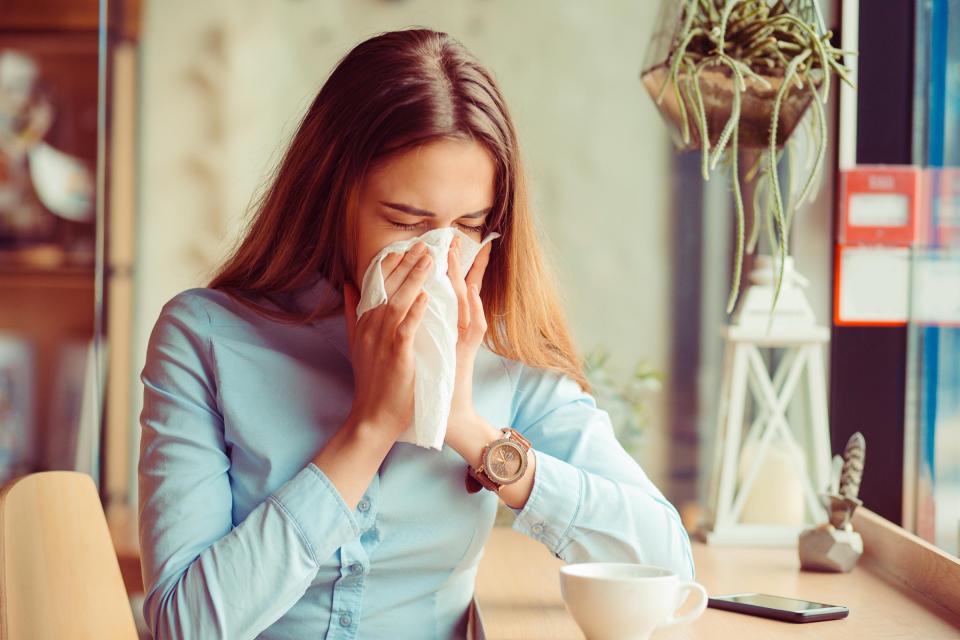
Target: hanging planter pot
[(728, 75), (717, 86)]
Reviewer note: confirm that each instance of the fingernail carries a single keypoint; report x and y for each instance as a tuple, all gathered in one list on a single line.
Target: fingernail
[(424, 262), (418, 248)]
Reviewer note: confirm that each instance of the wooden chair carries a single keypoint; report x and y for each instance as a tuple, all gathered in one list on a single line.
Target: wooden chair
[(59, 576)]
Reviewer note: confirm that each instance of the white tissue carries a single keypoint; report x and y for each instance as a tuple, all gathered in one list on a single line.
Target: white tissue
[(435, 344)]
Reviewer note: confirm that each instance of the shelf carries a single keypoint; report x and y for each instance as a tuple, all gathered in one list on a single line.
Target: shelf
[(66, 277)]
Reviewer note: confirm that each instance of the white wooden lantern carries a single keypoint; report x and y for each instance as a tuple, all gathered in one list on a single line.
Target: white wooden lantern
[(753, 412)]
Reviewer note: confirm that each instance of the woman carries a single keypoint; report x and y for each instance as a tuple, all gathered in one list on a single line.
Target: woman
[(275, 499)]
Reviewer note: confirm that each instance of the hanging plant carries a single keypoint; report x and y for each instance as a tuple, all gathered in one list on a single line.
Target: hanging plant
[(729, 75)]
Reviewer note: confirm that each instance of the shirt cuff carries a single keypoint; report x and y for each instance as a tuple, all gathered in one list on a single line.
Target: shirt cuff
[(317, 511), (554, 501)]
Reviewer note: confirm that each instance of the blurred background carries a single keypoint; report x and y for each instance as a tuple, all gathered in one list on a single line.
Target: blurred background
[(135, 134)]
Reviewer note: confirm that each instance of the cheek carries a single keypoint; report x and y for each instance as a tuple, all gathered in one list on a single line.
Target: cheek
[(369, 241), (364, 255)]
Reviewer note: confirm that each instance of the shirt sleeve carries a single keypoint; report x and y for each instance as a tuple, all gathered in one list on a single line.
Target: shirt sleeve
[(203, 576), (590, 499)]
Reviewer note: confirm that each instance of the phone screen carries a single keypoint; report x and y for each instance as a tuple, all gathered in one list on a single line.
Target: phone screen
[(775, 602)]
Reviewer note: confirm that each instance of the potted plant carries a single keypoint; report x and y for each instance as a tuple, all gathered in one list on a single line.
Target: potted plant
[(732, 75), (624, 398)]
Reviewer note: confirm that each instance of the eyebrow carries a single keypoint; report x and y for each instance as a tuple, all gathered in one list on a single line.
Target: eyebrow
[(430, 214)]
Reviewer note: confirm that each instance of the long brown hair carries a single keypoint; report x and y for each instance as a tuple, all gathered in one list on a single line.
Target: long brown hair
[(390, 93)]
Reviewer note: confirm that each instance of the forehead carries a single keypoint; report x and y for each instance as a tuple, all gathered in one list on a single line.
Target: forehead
[(450, 177)]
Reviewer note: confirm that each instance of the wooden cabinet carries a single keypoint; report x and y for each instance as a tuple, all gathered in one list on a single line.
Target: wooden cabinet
[(70, 283), (70, 15)]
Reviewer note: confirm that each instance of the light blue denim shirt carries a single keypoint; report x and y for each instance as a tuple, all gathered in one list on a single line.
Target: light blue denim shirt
[(242, 536)]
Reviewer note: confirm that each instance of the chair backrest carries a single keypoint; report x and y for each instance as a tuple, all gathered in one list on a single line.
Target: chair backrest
[(59, 576)]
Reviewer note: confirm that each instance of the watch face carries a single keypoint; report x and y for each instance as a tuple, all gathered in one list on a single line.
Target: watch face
[(505, 462)]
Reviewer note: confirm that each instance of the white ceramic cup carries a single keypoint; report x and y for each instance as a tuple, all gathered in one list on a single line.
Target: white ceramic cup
[(626, 601)]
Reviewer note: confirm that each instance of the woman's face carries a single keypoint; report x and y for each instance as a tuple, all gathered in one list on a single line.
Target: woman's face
[(439, 184)]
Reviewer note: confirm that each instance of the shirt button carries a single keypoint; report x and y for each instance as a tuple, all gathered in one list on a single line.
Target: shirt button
[(364, 505), (345, 620), (537, 528), (356, 568)]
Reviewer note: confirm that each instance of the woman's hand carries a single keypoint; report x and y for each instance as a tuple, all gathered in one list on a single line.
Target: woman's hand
[(466, 430), (381, 344), (381, 351)]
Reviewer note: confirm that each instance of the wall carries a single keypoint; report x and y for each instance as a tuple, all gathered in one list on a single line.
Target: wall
[(224, 83)]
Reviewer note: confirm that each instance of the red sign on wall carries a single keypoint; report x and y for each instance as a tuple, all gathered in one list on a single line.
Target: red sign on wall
[(882, 205)]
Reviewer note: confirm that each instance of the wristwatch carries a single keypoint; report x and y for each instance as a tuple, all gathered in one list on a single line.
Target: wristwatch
[(503, 461)]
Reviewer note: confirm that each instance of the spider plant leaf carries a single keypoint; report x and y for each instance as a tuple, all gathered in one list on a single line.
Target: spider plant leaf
[(747, 71), (814, 44), (821, 129), (789, 155), (769, 221), (757, 212), (724, 18), (676, 58), (734, 119), (738, 200), (710, 10), (752, 171), (701, 121), (774, 179)]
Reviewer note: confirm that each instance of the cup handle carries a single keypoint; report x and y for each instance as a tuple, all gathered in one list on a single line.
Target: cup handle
[(690, 616)]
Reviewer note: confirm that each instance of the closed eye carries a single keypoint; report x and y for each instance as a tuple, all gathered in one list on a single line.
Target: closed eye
[(409, 227)]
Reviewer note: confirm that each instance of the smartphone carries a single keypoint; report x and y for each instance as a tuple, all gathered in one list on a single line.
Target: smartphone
[(778, 608)]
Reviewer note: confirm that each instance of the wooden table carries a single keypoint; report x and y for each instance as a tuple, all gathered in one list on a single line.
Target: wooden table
[(881, 606), (531, 606)]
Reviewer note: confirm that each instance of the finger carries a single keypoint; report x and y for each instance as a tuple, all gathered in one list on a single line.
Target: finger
[(393, 278), (459, 288), (475, 276), (399, 303), (388, 265), (478, 323), (390, 262), (350, 301), (407, 329)]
